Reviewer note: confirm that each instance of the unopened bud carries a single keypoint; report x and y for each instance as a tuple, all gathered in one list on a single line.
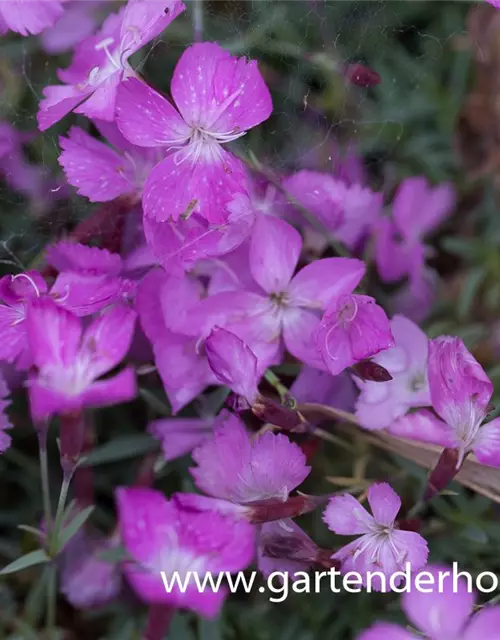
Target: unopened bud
[(324, 558), (269, 410), (361, 75), (371, 371), (443, 473), (275, 509)]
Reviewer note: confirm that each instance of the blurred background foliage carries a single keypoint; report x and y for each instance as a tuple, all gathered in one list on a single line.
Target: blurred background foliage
[(435, 114)]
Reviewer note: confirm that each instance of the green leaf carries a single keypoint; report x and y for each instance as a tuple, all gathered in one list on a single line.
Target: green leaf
[(121, 448), (69, 531), (29, 560), (36, 532), (114, 555), (209, 629)]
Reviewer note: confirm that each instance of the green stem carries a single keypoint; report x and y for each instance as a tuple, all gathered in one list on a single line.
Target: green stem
[(44, 473), (51, 602), (275, 382), (63, 496), (198, 20)]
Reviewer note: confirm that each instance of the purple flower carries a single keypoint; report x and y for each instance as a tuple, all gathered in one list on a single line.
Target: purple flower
[(382, 546), (378, 404), (239, 471), (162, 536), (460, 394), (315, 385), (233, 363), (100, 62), (164, 302), (70, 361), (5, 424), (417, 210), (180, 436), (15, 295), (284, 546), (347, 211), (100, 172), (218, 98), (443, 613), (29, 17), (86, 580), (76, 23), (352, 329)]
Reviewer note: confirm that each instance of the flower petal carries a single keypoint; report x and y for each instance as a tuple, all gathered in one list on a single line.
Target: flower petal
[(345, 516), (384, 503)]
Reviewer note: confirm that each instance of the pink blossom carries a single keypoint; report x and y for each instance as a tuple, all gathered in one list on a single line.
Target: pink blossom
[(5, 424), (352, 329), (180, 436), (100, 62), (239, 471), (443, 612), (218, 99), (100, 172), (86, 580), (76, 23), (89, 278), (460, 394), (280, 307), (382, 546), (347, 211), (70, 361), (315, 385), (29, 16), (378, 404), (164, 302), (15, 295), (161, 536), (417, 210), (233, 363)]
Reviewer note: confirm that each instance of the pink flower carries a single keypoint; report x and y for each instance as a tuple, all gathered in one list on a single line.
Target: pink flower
[(76, 23), (89, 278), (100, 172), (347, 211), (417, 210), (5, 424), (219, 98), (233, 363), (100, 62), (382, 547), (315, 385), (86, 580), (352, 329), (27, 17), (378, 404), (443, 613), (70, 361), (280, 306), (460, 394), (163, 304), (161, 536), (239, 471), (180, 436), (284, 546), (15, 295)]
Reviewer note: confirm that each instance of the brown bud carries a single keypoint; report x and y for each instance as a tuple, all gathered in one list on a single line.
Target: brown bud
[(275, 509), (361, 75), (443, 473), (369, 370), (324, 559), (269, 410)]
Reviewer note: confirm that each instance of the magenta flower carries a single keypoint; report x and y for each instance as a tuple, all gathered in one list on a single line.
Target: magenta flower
[(347, 211), (233, 363), (417, 210), (315, 385), (5, 439), (179, 436), (15, 295), (181, 362), (100, 62), (29, 17), (161, 536), (89, 278), (379, 405), (70, 361), (100, 172), (283, 305), (382, 546), (443, 613), (86, 580), (239, 471), (78, 22), (352, 329), (460, 394), (218, 98)]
